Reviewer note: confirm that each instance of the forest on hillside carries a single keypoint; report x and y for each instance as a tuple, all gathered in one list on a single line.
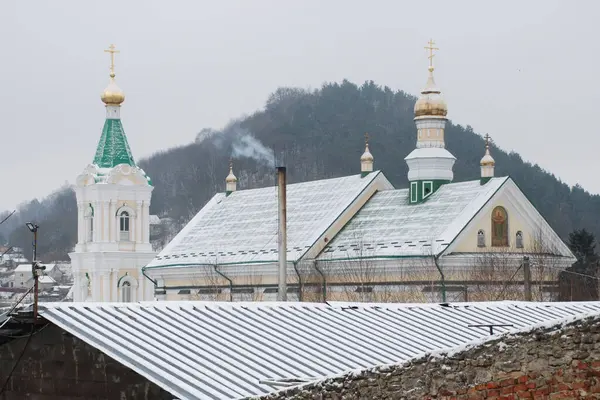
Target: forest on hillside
[(318, 134)]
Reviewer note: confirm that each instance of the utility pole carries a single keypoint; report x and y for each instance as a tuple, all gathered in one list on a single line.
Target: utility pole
[(35, 269), (282, 237), (527, 278), (598, 278)]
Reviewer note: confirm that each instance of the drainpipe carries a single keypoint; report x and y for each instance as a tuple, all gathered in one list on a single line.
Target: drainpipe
[(228, 280), (147, 277), (282, 236), (324, 281), (300, 286), (154, 282), (443, 278), (527, 278)]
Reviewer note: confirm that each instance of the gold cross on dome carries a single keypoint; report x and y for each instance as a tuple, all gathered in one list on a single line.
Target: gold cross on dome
[(487, 140), (112, 51), (431, 49), (367, 139)]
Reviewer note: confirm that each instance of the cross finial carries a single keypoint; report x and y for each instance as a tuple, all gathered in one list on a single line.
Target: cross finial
[(112, 51), (367, 139), (487, 141), (431, 49), (230, 164)]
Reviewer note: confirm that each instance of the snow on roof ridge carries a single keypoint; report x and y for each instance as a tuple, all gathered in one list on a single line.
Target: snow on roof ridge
[(293, 185), (329, 304)]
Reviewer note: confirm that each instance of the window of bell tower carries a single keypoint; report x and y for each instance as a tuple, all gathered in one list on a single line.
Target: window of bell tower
[(124, 226)]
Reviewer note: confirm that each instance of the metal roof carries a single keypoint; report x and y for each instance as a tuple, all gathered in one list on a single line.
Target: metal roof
[(388, 225), (242, 227), (199, 350)]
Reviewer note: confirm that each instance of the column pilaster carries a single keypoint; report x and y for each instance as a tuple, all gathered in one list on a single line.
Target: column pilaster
[(138, 222)]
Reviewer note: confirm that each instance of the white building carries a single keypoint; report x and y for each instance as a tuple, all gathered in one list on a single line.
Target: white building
[(21, 276), (113, 200)]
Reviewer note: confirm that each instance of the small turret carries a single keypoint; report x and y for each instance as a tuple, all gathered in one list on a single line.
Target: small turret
[(230, 181), (487, 163), (366, 160)]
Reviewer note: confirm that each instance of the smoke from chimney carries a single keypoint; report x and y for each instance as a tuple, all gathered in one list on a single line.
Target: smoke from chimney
[(248, 146)]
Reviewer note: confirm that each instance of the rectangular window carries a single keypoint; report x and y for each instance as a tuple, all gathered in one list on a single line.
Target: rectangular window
[(413, 191), (427, 188), (242, 290), (209, 291), (91, 231)]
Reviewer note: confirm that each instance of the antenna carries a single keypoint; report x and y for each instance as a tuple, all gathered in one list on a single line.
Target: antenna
[(491, 326)]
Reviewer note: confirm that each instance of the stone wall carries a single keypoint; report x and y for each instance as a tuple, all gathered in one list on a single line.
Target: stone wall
[(562, 362), (59, 366)]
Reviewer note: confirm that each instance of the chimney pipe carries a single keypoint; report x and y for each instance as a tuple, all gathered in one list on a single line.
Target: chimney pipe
[(282, 236)]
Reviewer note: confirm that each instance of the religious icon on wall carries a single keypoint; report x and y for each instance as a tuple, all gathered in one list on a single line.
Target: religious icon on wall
[(499, 227)]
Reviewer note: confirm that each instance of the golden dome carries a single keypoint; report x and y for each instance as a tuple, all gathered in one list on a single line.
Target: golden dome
[(431, 102), (112, 95), (367, 156), (487, 160), (231, 177)]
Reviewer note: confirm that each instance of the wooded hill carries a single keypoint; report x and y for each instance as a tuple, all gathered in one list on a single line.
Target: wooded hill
[(319, 134)]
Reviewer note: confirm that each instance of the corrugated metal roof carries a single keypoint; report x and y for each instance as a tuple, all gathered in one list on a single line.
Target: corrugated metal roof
[(197, 350), (389, 226), (242, 227)]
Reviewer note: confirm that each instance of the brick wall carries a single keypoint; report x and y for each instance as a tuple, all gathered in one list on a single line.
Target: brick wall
[(57, 366), (550, 363)]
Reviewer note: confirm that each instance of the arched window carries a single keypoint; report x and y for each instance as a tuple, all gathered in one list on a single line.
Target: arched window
[(89, 224), (519, 240), (126, 292), (124, 225), (127, 286), (481, 238), (499, 227)]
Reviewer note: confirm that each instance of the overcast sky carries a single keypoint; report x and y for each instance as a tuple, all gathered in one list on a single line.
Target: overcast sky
[(522, 71)]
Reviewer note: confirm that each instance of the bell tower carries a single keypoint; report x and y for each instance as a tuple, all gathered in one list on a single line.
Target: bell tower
[(113, 203)]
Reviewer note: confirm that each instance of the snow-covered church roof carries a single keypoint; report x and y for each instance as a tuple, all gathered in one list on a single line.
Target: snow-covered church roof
[(389, 226), (242, 227)]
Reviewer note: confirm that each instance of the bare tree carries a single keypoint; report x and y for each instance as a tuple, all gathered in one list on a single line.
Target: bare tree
[(498, 273)]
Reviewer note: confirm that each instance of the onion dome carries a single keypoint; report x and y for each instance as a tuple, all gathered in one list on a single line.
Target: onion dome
[(112, 95), (431, 102), (231, 177), (366, 160), (487, 159), (366, 156), (231, 180)]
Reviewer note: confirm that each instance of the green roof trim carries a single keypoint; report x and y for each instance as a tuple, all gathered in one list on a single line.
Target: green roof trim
[(113, 148)]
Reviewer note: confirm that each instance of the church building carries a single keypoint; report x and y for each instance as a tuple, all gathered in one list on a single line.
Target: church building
[(358, 238), (355, 238), (113, 203)]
